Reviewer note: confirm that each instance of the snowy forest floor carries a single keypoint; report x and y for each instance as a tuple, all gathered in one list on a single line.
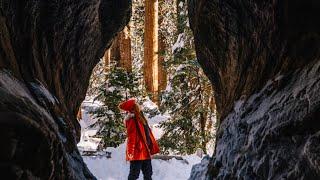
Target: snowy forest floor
[(116, 167)]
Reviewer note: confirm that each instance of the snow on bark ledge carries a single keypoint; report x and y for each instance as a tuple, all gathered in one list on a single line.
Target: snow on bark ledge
[(199, 171), (259, 139)]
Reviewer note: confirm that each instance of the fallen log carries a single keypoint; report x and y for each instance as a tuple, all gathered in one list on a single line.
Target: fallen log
[(166, 158)]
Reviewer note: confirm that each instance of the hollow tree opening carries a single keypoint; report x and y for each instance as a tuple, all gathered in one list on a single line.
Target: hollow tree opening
[(187, 98), (261, 57)]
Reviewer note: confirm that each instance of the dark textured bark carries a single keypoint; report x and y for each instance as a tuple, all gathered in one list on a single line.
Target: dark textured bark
[(47, 52), (262, 58)]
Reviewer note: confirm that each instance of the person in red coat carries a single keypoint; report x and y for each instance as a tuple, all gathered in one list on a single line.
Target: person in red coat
[(141, 144)]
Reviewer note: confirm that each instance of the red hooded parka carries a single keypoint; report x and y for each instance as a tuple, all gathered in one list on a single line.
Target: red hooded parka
[(137, 148)]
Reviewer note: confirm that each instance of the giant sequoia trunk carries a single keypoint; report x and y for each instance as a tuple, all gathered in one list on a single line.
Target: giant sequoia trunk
[(47, 52), (262, 58), (120, 51), (150, 68)]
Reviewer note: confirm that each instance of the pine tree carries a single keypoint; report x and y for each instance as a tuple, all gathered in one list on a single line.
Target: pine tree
[(187, 97), (121, 83), (190, 126), (120, 86)]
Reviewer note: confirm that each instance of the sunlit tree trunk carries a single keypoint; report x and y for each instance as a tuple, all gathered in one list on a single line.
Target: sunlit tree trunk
[(79, 114), (115, 50), (107, 60), (151, 48), (120, 51), (124, 41)]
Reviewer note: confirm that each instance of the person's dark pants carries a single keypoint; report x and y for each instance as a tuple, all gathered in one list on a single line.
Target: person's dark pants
[(136, 166)]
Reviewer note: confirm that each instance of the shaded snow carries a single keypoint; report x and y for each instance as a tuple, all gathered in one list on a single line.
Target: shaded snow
[(178, 44), (158, 118), (111, 89), (87, 142), (148, 104), (154, 124), (199, 170), (181, 4), (86, 120)]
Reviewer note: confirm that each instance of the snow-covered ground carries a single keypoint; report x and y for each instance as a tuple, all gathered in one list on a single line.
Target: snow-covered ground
[(87, 142), (116, 167)]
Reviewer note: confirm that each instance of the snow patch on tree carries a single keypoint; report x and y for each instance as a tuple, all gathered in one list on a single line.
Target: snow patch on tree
[(199, 171), (42, 93)]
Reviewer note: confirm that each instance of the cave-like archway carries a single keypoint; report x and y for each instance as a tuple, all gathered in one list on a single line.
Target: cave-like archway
[(262, 58)]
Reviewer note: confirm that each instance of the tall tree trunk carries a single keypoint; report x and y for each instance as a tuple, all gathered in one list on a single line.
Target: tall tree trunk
[(162, 73), (125, 49), (107, 61), (151, 48), (115, 55), (120, 51)]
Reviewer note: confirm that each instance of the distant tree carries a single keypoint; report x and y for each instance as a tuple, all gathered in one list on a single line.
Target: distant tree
[(188, 97), (120, 51), (162, 73), (120, 84), (151, 48), (191, 115)]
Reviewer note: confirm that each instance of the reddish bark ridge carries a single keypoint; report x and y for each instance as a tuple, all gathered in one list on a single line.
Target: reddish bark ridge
[(47, 52), (263, 58)]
